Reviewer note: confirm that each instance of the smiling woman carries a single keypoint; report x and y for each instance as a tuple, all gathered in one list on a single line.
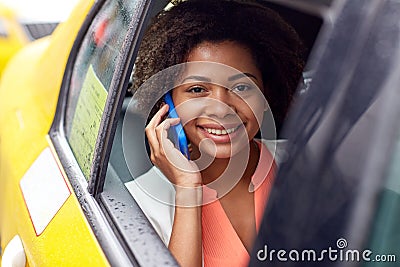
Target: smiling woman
[(225, 64), (234, 105), (275, 47)]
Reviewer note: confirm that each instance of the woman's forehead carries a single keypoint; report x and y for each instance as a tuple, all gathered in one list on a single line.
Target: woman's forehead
[(212, 72), (226, 52)]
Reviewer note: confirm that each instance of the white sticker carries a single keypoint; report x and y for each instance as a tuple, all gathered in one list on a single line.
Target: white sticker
[(86, 122), (44, 190)]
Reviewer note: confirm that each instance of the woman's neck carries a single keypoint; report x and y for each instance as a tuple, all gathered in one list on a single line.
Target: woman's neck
[(223, 172)]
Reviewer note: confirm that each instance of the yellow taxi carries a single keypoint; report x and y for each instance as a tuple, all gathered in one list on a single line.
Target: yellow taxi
[(12, 35), (63, 199), (17, 30), (52, 212)]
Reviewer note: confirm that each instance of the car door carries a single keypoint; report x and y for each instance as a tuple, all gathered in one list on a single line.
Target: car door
[(335, 200), (94, 87)]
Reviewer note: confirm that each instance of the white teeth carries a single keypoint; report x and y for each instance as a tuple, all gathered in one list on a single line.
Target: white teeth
[(219, 131)]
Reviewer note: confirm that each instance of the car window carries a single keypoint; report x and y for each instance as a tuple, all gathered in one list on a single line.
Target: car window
[(91, 78), (130, 222)]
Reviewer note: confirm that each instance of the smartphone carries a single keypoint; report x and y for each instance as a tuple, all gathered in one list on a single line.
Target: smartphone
[(176, 133)]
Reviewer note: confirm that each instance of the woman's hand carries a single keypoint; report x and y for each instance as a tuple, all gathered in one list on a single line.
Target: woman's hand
[(174, 165), (185, 242)]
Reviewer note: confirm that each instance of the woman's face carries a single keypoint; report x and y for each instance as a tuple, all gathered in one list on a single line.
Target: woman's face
[(219, 98)]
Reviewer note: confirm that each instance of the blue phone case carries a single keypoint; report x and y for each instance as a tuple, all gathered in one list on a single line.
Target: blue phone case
[(177, 134)]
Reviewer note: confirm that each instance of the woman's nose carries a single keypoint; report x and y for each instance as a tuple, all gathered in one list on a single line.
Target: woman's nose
[(220, 103)]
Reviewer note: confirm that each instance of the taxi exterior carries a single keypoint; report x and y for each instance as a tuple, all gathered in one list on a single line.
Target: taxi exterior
[(22, 140), (63, 200), (47, 215)]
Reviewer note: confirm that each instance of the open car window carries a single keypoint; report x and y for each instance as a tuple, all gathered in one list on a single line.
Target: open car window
[(129, 157)]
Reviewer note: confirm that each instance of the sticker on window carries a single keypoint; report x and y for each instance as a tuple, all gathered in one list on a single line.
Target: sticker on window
[(86, 121)]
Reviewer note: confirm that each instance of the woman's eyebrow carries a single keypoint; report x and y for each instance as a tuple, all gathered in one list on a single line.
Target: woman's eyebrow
[(232, 78), (241, 75), (197, 78)]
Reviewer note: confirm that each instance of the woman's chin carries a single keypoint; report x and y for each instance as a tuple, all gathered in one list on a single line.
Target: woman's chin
[(227, 152)]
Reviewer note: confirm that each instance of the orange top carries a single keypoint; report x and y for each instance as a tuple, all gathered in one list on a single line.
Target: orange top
[(221, 244)]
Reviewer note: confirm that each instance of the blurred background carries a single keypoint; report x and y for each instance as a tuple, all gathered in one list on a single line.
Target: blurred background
[(41, 10), (23, 21)]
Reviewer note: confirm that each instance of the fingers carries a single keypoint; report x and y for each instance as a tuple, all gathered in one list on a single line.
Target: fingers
[(150, 128), (156, 132), (158, 116), (162, 129), (162, 134)]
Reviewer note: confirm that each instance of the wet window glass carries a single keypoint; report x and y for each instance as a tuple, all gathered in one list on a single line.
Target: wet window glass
[(91, 78)]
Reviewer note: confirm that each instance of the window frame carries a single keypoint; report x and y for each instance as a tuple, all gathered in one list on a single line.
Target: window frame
[(126, 208)]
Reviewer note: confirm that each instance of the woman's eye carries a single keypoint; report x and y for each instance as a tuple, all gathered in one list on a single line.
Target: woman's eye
[(241, 88), (196, 89)]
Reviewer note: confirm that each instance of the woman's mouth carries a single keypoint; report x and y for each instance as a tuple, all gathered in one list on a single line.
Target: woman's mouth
[(221, 131), (221, 134)]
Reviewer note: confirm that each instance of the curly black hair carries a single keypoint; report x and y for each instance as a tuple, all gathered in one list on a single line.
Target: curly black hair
[(274, 44)]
